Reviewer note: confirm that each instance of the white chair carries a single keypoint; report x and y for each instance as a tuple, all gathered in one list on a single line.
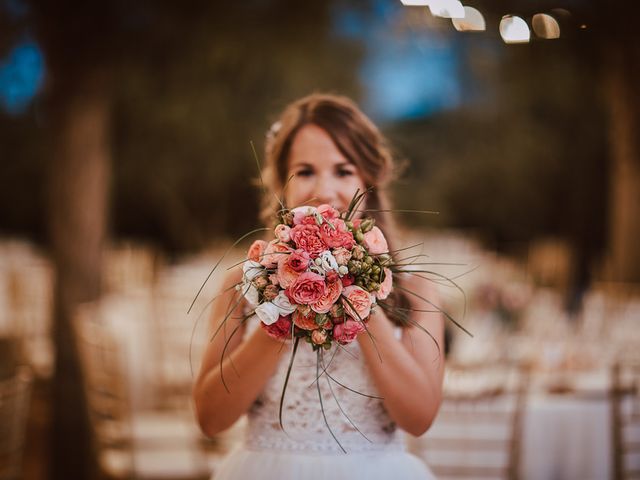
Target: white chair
[(625, 410), (477, 432), (151, 444)]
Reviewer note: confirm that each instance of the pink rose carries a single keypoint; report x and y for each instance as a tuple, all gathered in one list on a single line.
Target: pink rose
[(291, 266), (331, 296), (328, 212), (356, 302), (307, 237), (318, 337), (308, 288), (273, 252), (347, 331), (302, 213), (256, 250), (280, 329), (375, 242), (283, 232), (305, 322), (338, 236), (342, 255), (273, 278), (385, 287)]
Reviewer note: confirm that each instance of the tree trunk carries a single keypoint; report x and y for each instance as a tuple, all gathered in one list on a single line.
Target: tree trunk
[(624, 100), (78, 192)]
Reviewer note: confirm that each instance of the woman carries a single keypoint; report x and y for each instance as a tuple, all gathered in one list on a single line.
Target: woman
[(322, 151)]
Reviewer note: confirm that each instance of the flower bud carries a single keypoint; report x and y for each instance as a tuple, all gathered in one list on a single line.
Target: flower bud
[(358, 235), (287, 218), (343, 270), (358, 252), (367, 224), (318, 337), (260, 282), (270, 292)]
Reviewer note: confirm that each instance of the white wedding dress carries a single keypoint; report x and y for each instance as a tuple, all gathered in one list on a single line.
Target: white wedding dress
[(306, 448)]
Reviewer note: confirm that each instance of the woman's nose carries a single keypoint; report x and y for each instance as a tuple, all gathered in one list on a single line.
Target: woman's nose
[(324, 191)]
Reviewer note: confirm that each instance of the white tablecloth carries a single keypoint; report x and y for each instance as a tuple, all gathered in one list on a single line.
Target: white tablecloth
[(566, 437)]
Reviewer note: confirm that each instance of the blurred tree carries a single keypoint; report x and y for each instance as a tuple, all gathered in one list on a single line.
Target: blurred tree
[(173, 93)]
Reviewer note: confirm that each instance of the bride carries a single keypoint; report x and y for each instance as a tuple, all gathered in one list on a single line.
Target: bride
[(345, 422)]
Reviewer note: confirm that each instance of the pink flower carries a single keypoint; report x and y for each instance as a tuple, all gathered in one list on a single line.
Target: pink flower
[(301, 213), (273, 252), (375, 242), (328, 212), (273, 278), (331, 296), (308, 288), (307, 237), (290, 267), (283, 232), (318, 337), (342, 255), (356, 302), (347, 280), (385, 287), (347, 331), (338, 236), (280, 330), (256, 250)]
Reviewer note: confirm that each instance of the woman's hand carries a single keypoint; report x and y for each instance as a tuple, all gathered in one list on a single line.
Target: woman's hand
[(247, 365), (408, 371)]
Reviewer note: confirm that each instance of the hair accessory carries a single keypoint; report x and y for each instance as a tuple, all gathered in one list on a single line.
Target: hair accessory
[(273, 130)]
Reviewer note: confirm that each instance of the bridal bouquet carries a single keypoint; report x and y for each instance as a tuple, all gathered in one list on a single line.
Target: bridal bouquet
[(320, 276)]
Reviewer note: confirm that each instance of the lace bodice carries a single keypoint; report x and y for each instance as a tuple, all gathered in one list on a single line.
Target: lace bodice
[(305, 429)]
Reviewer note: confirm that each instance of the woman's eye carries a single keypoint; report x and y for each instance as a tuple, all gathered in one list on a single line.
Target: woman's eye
[(344, 173), (304, 173)]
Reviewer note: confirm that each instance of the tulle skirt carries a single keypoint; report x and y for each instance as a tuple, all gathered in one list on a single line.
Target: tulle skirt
[(246, 464)]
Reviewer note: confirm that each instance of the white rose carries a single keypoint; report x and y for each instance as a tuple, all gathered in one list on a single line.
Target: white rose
[(283, 304), (251, 294), (268, 313), (328, 261), (251, 270)]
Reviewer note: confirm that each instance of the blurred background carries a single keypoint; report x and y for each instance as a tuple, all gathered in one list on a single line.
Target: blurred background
[(126, 171)]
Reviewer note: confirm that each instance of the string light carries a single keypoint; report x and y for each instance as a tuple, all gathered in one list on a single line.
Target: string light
[(514, 29), (473, 21)]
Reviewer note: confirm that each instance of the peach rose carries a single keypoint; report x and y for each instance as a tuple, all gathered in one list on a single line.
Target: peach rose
[(282, 231), (342, 255), (331, 295), (375, 242), (305, 322), (347, 331), (280, 329), (291, 266), (256, 250), (273, 252), (307, 237), (270, 292), (356, 302), (385, 287), (308, 288)]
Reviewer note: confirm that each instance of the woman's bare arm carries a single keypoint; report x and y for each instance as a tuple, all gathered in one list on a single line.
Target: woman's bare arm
[(247, 365), (408, 372)]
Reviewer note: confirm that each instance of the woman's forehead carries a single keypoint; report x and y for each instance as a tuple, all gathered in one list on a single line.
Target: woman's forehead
[(312, 145)]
